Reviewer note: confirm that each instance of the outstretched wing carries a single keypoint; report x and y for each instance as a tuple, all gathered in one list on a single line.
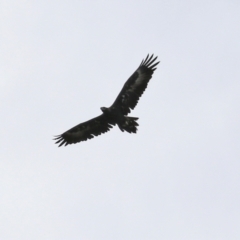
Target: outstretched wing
[(135, 85), (84, 131)]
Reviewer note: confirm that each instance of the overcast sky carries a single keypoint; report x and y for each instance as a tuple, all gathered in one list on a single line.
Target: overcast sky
[(177, 178)]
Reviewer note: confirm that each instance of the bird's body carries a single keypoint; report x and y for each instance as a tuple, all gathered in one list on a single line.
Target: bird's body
[(118, 111), (115, 116)]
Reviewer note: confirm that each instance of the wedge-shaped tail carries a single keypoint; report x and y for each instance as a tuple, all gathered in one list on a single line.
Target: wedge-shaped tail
[(129, 124)]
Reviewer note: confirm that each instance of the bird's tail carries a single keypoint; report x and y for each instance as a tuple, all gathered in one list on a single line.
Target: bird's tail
[(129, 124)]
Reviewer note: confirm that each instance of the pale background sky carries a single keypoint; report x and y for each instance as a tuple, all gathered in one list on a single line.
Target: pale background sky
[(177, 178)]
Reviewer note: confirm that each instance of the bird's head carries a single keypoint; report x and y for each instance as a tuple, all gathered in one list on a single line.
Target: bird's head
[(104, 109)]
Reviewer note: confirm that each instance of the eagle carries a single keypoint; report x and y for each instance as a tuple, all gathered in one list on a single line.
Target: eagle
[(117, 113)]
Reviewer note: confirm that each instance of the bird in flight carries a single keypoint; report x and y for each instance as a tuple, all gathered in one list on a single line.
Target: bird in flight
[(126, 101)]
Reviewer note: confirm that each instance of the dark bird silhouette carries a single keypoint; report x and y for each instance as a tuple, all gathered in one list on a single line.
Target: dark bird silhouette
[(117, 113)]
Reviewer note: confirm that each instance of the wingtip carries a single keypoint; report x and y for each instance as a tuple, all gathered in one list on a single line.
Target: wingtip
[(148, 60)]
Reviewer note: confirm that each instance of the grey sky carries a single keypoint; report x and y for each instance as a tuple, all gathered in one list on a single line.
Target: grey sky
[(177, 178)]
